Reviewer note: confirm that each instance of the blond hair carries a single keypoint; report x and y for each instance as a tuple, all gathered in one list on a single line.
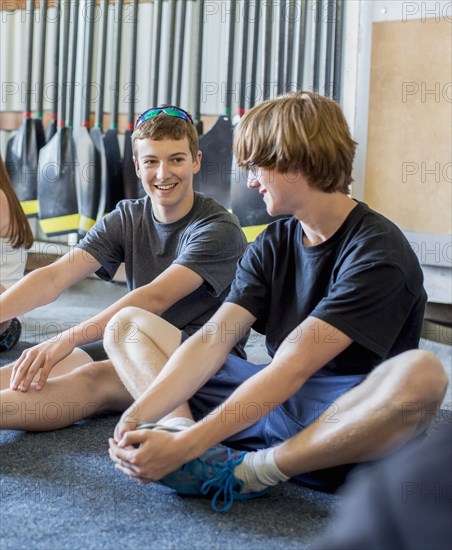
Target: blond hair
[(299, 131), (163, 127), (19, 231)]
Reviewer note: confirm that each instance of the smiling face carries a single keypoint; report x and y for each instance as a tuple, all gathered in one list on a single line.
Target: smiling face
[(166, 168), (279, 190)]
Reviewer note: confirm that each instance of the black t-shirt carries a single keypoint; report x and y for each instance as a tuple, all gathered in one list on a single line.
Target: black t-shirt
[(365, 281)]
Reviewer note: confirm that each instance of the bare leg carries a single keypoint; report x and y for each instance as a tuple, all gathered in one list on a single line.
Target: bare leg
[(397, 401), (139, 344), (76, 359), (65, 399)]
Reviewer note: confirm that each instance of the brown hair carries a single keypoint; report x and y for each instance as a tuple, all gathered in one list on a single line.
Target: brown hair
[(163, 127), (299, 131), (19, 231)]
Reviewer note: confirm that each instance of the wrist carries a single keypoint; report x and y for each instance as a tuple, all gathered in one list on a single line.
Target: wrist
[(85, 333), (69, 338), (190, 447), (195, 441)]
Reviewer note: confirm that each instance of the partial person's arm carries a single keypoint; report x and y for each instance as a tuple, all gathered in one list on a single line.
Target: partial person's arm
[(164, 291), (41, 287), (307, 349), (172, 285), (44, 285), (191, 365), (303, 353)]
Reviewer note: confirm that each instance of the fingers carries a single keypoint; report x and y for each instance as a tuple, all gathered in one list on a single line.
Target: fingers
[(42, 357), (45, 372), (158, 454), (25, 370), (126, 461), (135, 437), (121, 454), (123, 426)]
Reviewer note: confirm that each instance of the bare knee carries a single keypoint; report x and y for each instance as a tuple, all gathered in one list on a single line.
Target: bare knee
[(424, 377), (133, 325), (413, 385), (124, 327)]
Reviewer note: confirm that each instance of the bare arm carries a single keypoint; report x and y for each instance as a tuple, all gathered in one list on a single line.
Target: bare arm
[(205, 352), (306, 350), (44, 285), (168, 288), (303, 353), (164, 291)]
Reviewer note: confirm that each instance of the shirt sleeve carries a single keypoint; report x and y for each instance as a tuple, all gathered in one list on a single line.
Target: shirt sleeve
[(250, 288), (105, 242), (370, 303), (212, 250)]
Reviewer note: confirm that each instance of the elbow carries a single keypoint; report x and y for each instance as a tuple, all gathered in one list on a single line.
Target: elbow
[(49, 278)]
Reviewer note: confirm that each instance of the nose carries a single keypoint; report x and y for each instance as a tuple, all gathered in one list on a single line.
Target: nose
[(252, 181), (163, 172)]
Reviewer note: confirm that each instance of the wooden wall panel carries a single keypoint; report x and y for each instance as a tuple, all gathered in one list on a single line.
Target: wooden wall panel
[(409, 168)]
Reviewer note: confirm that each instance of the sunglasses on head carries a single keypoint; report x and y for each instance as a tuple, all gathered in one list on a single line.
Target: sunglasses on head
[(170, 110)]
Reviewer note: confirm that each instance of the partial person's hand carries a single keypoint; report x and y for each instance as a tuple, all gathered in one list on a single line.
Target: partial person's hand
[(42, 357), (148, 455), (128, 421)]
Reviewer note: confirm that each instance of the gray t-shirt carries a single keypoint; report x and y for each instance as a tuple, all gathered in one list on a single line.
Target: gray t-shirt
[(208, 240)]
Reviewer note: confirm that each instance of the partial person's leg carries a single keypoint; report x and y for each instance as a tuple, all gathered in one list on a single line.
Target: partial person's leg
[(76, 359), (402, 502), (65, 399), (139, 344), (396, 402)]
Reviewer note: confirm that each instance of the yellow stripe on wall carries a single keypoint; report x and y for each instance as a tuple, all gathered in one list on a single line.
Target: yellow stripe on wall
[(86, 223), (30, 208), (61, 224), (252, 231)]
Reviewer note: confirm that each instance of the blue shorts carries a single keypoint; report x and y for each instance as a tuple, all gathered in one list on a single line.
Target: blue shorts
[(272, 428)]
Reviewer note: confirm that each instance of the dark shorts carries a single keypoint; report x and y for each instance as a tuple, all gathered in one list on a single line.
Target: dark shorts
[(95, 350), (272, 428)]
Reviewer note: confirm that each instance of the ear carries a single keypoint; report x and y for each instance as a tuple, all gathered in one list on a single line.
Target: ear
[(197, 163), (137, 166)]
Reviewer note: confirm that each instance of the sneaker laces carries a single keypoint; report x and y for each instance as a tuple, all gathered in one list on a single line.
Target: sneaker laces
[(223, 480)]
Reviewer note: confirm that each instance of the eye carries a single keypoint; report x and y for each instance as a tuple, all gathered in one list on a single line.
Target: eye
[(150, 162), (178, 160)]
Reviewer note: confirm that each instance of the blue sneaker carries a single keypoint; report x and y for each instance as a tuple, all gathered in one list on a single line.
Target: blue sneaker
[(210, 475)]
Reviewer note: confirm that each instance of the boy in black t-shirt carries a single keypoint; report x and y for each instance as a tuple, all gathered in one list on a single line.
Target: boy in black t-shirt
[(338, 293)]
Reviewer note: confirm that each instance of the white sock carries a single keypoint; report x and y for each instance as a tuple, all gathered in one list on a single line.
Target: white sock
[(259, 471), (179, 422)]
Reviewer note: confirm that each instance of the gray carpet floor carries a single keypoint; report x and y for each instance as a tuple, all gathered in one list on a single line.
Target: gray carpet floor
[(60, 490)]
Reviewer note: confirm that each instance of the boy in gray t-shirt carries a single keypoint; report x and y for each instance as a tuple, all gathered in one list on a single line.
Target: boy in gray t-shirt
[(180, 251)]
